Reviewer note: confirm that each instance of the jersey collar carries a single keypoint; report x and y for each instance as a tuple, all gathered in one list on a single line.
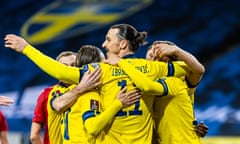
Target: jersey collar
[(63, 84), (130, 56)]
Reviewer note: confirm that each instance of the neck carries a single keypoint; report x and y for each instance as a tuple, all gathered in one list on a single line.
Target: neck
[(125, 53)]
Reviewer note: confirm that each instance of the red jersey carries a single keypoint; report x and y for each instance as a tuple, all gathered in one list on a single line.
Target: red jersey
[(41, 114), (3, 122)]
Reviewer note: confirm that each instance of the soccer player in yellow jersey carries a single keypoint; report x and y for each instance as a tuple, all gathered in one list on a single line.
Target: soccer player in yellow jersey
[(54, 118), (72, 125), (174, 117), (55, 93), (174, 113), (133, 124)]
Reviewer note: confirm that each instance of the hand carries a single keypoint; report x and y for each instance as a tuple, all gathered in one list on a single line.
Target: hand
[(128, 98), (15, 42), (164, 50), (112, 59), (5, 101), (90, 80), (201, 129)]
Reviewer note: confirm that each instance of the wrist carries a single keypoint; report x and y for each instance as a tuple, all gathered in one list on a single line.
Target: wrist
[(27, 48), (77, 90), (118, 103)]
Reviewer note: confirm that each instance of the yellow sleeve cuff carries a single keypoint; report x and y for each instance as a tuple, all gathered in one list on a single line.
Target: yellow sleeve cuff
[(27, 49)]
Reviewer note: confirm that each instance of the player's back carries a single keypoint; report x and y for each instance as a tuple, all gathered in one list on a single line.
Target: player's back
[(133, 124), (174, 117)]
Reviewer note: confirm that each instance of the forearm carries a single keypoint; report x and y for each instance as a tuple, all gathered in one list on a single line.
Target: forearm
[(51, 66), (196, 68), (141, 80), (95, 125), (3, 137), (36, 140), (35, 133), (62, 103), (191, 61)]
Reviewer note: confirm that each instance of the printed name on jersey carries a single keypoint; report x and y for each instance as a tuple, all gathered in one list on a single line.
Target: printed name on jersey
[(116, 71)]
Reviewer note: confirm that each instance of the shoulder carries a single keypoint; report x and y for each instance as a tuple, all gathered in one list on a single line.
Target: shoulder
[(181, 63), (1, 114), (45, 92)]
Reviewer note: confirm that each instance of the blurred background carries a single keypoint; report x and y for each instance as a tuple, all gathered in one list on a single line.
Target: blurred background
[(207, 29)]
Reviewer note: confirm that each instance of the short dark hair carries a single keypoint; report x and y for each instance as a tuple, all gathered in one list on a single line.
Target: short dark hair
[(164, 42)]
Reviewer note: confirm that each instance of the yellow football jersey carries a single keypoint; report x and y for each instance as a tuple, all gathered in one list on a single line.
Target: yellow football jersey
[(54, 118), (174, 118), (72, 129), (84, 121)]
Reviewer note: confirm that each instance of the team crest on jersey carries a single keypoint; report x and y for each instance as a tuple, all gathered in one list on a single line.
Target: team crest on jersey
[(56, 93), (63, 19), (94, 104)]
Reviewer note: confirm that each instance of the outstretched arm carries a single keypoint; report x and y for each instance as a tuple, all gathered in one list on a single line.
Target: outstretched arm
[(47, 64)]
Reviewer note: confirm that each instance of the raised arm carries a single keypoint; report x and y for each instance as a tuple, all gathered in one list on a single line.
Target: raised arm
[(47, 64), (196, 68)]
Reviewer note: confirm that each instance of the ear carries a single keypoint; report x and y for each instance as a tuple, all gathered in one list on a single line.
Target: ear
[(123, 44)]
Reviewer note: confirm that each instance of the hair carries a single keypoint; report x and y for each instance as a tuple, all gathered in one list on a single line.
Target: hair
[(128, 32), (172, 58), (88, 54), (65, 53), (163, 42), (160, 42)]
